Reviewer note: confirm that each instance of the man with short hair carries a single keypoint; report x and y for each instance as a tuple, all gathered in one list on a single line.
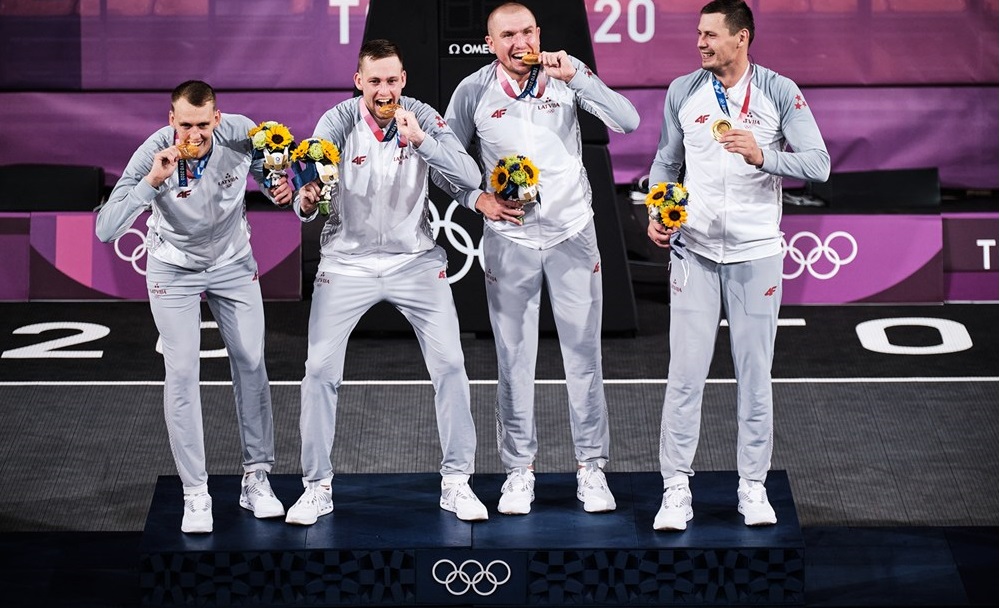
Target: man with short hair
[(513, 107), (192, 175), (728, 125), (377, 245)]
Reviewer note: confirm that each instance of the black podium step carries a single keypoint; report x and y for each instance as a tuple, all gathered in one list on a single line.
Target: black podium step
[(388, 543)]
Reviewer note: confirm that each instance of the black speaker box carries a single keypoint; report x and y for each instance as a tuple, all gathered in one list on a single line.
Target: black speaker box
[(442, 42), (39, 187), (880, 190)]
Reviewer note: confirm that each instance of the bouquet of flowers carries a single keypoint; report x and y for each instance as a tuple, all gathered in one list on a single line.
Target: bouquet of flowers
[(515, 178), (320, 156), (271, 141), (667, 204)]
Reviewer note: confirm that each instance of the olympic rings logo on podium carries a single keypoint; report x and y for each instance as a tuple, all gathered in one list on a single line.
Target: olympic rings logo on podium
[(461, 578), (138, 253), (458, 237), (820, 249)]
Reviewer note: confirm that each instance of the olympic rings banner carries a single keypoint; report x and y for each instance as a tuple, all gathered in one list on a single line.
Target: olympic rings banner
[(862, 259), (56, 256), (828, 258)]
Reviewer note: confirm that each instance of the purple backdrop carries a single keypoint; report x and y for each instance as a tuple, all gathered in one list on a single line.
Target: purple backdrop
[(68, 262), (881, 75), (828, 258)]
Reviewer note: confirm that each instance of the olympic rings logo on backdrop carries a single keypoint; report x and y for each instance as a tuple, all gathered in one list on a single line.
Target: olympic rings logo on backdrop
[(460, 579), (138, 252), (459, 239), (817, 250)]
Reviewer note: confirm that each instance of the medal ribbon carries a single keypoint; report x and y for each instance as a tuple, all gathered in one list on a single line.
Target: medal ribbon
[(195, 171), (533, 80), (391, 131), (720, 95)]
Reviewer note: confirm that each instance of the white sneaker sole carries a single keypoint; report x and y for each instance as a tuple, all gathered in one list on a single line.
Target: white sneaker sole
[(263, 513), (758, 520), (602, 507), (290, 518), (514, 508), (476, 516), (673, 526), (197, 528)]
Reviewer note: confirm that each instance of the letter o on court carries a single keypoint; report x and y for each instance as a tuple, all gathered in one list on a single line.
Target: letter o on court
[(954, 336)]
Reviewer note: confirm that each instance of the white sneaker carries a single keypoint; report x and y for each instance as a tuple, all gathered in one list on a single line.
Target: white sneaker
[(675, 510), (517, 492), (458, 497), (754, 507), (256, 495), (315, 501), (197, 514), (592, 490)]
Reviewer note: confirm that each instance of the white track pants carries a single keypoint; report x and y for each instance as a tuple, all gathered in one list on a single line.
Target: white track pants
[(749, 294), (422, 293), (572, 273), (233, 295)]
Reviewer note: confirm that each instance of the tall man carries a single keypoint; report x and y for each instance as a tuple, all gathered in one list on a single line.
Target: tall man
[(512, 108), (377, 246), (192, 174), (728, 125)]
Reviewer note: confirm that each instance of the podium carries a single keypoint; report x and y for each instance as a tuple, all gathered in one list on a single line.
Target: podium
[(387, 543)]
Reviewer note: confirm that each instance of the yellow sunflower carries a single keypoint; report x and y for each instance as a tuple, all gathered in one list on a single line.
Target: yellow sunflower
[(278, 137), (330, 151), (673, 215), (300, 150), (499, 178), (530, 172), (656, 195)]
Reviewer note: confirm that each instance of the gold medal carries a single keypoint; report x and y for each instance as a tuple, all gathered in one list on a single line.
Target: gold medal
[(720, 127)]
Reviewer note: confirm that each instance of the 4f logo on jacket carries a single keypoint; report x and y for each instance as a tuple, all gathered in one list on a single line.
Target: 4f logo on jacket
[(359, 159), (701, 119), (499, 113)]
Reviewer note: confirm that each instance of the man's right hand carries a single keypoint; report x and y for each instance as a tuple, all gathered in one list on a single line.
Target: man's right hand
[(659, 234), (164, 164), (494, 207), (309, 195)]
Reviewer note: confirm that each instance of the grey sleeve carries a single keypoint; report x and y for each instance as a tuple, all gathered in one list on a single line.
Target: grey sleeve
[(460, 117), (132, 194), (808, 158), (670, 150), (443, 151), (613, 108)]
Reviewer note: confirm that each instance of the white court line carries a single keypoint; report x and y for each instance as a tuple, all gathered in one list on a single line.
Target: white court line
[(389, 382)]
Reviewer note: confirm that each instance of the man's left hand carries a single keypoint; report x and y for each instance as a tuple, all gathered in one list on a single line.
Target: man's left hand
[(409, 127), (742, 142), (557, 64)]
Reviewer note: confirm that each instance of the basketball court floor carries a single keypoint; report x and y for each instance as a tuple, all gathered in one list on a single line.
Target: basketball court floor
[(886, 425)]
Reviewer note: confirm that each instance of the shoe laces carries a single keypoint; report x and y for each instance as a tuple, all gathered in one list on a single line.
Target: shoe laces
[(196, 503), (517, 481), (754, 492), (677, 496), (459, 491), (314, 495), (593, 478), (257, 484)]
